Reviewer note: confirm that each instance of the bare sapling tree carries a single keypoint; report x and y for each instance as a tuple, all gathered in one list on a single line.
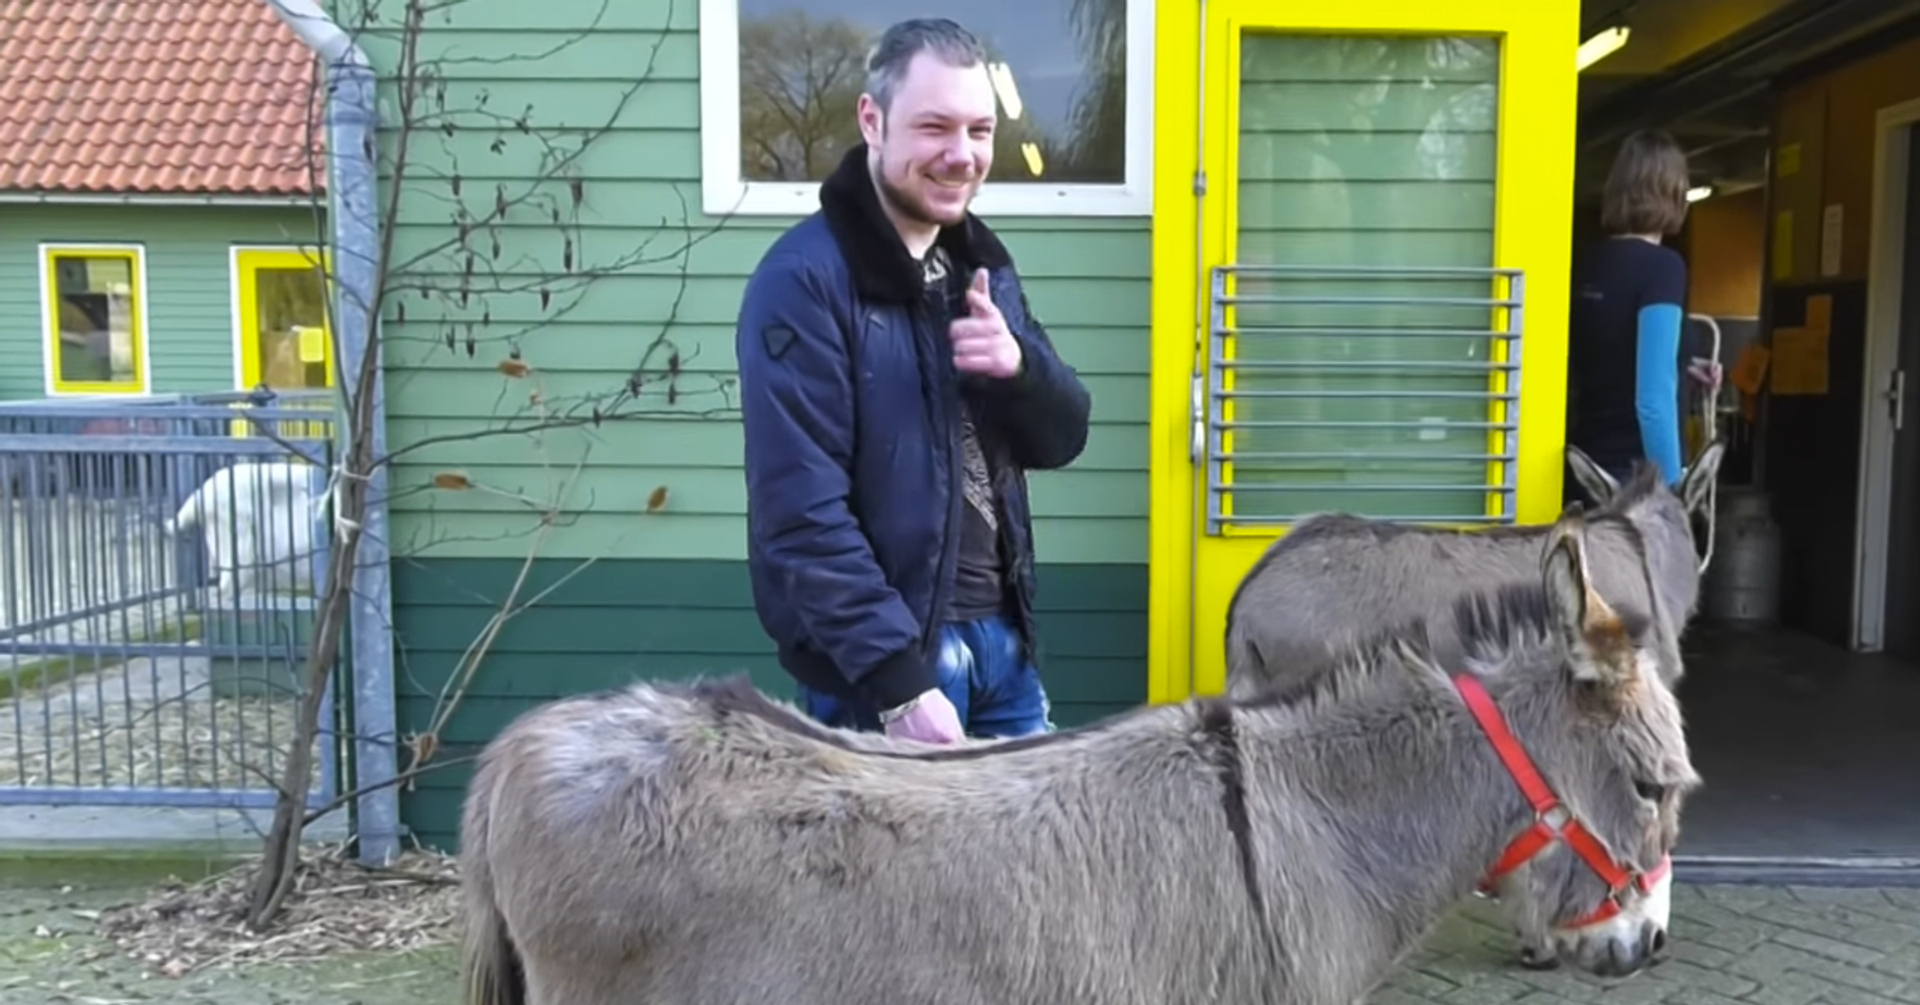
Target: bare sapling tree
[(487, 214)]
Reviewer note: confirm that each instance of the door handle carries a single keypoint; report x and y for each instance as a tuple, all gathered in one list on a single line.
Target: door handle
[(1197, 444), (1897, 398)]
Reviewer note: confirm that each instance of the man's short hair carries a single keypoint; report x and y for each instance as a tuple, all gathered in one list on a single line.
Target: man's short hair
[(1646, 191), (887, 63)]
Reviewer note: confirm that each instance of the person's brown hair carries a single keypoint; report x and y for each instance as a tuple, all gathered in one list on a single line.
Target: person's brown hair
[(1646, 191)]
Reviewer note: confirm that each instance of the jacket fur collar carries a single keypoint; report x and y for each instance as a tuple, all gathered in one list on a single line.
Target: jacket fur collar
[(882, 270)]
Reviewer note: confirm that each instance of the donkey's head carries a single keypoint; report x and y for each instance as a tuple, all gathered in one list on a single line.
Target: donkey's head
[(1598, 746), (1663, 517)]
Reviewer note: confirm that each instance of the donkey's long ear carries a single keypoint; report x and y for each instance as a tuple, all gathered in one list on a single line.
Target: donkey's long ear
[(1564, 572), (1598, 647), (1699, 478), (1592, 477)]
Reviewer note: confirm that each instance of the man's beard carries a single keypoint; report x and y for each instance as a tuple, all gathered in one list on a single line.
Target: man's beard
[(905, 204)]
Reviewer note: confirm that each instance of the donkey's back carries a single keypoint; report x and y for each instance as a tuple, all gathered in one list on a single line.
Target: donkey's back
[(699, 842), (1336, 578)]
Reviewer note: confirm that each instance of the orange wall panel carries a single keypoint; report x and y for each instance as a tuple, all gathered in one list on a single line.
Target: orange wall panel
[(1841, 139), (1725, 244)]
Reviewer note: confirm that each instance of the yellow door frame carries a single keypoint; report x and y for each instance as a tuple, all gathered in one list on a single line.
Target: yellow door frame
[(1538, 92)]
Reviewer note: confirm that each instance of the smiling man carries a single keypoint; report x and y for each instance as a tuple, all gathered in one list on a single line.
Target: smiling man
[(895, 388)]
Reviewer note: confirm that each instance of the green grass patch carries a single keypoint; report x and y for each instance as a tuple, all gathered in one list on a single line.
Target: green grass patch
[(41, 866), (59, 669)]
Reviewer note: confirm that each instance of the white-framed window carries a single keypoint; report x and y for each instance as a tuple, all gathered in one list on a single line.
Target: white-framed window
[(93, 310), (779, 80)]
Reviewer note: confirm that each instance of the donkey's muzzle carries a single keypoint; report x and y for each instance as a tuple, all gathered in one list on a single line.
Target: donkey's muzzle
[(1616, 956)]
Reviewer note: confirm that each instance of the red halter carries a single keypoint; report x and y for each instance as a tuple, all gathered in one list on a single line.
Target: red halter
[(1552, 819)]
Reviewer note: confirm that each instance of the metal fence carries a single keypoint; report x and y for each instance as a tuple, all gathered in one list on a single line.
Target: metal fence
[(162, 559)]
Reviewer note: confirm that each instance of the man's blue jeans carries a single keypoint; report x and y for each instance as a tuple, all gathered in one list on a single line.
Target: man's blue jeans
[(980, 670)]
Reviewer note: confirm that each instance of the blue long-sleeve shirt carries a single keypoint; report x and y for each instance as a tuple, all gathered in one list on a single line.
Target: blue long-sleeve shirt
[(1624, 346)]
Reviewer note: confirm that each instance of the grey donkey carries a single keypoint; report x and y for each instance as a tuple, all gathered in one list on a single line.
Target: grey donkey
[(1335, 577), (702, 843)]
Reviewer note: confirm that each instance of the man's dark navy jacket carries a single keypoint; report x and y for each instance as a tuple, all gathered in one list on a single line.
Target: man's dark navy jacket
[(851, 406)]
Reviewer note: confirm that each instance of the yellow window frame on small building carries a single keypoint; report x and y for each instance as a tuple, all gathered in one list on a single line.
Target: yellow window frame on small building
[(126, 356), (308, 344)]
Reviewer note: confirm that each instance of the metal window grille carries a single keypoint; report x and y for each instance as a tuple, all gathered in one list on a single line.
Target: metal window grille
[(1314, 384)]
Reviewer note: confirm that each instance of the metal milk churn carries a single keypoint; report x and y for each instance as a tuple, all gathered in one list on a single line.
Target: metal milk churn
[(1743, 581)]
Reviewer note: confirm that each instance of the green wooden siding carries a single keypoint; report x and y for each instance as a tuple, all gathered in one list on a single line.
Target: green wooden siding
[(667, 593), (640, 188), (189, 291), (613, 622), (1364, 151)]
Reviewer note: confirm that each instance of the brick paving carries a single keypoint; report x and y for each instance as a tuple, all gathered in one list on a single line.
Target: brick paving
[(1732, 945)]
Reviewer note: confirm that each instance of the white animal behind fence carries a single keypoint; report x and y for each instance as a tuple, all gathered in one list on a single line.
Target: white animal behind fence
[(253, 517)]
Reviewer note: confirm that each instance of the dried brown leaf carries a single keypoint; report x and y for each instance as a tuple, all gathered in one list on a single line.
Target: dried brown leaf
[(336, 906)]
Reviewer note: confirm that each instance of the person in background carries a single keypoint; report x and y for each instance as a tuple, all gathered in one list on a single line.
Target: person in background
[(1628, 317), (895, 387)]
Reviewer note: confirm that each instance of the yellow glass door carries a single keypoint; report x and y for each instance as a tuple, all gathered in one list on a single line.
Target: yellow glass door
[(1386, 192), (285, 343)]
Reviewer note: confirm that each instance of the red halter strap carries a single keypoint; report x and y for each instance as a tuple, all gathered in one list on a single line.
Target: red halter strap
[(1552, 820)]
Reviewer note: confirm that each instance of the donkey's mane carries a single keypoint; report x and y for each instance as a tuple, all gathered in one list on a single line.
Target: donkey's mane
[(1503, 618), (1644, 481), (1515, 616), (735, 695), (1490, 623)]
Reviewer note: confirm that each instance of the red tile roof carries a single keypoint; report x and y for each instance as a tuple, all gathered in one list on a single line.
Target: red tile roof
[(154, 96)]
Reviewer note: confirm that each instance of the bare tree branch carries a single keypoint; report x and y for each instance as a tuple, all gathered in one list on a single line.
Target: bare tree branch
[(454, 286)]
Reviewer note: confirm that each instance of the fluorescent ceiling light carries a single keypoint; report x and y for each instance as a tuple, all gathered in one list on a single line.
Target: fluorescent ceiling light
[(1699, 192), (1600, 46)]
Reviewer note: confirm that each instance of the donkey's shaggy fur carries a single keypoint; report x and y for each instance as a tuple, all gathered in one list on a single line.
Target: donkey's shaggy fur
[(699, 843), (1334, 578)]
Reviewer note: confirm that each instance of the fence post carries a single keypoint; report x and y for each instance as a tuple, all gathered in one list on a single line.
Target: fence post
[(353, 186), (370, 625)]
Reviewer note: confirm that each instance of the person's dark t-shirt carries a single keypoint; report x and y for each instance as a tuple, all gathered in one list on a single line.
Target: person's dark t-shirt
[(979, 588), (1613, 281)]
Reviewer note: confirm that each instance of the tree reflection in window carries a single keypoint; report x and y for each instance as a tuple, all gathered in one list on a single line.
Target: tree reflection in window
[(803, 67)]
